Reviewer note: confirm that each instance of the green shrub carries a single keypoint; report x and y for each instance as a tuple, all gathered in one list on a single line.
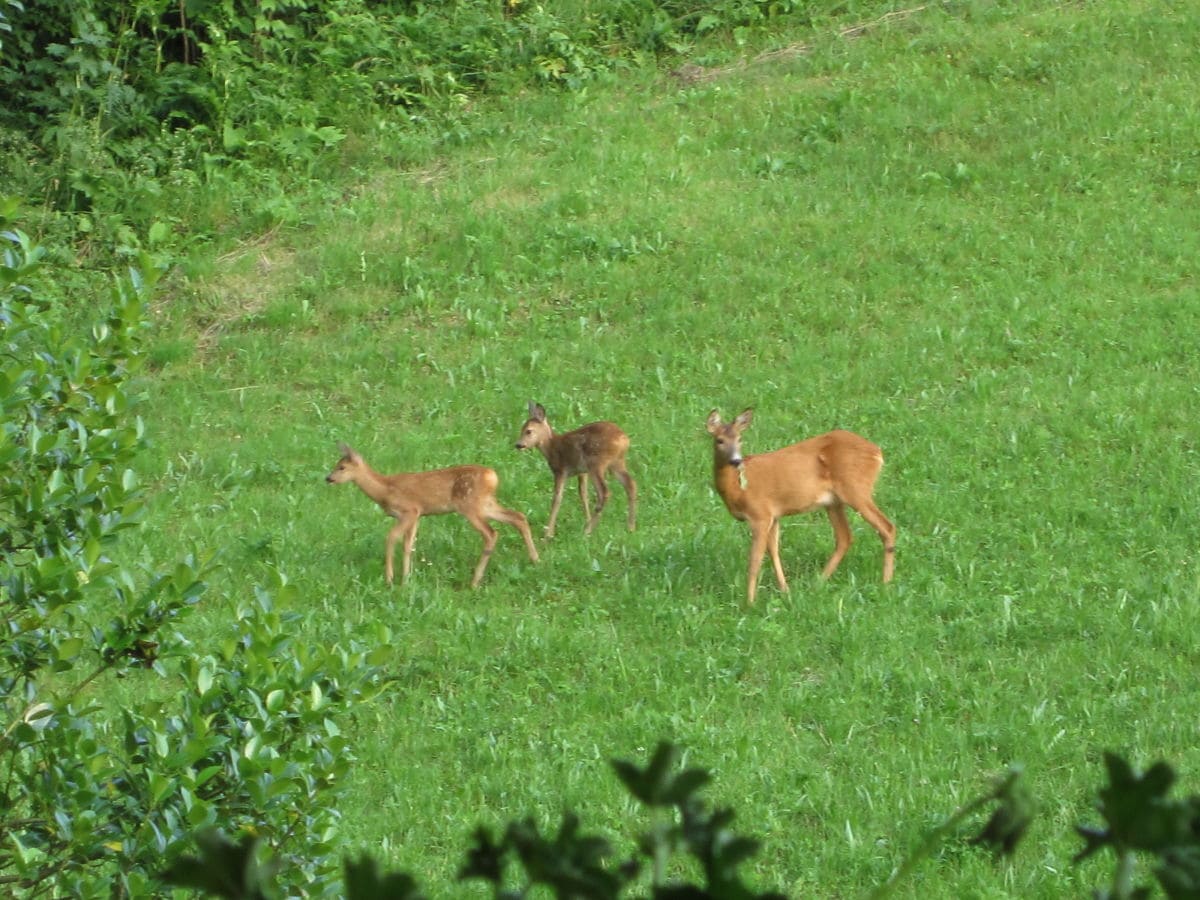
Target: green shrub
[(95, 795)]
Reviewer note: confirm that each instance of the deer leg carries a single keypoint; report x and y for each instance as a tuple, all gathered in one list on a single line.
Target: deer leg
[(630, 493), (518, 521), (560, 482), (400, 529), (601, 499), (841, 536), (489, 544), (409, 540), (887, 533), (583, 497), (773, 547), (759, 535), (393, 535)]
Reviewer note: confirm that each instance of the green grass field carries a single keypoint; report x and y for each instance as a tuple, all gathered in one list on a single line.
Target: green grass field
[(969, 234)]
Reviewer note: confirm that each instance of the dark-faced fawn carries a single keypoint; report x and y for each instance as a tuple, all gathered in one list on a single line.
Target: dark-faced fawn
[(467, 490), (832, 471), (588, 451)]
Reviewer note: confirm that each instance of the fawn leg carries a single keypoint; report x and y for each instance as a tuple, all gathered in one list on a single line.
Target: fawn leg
[(583, 498), (560, 482), (406, 527), (489, 544), (601, 498), (518, 521), (627, 482)]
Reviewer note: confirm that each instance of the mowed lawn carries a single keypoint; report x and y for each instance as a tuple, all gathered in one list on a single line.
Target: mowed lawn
[(971, 236)]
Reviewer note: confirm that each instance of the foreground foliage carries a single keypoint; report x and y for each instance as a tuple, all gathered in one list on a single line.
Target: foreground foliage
[(95, 793), (1139, 819)]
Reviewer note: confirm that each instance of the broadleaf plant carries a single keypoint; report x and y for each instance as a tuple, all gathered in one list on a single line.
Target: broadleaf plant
[(94, 796)]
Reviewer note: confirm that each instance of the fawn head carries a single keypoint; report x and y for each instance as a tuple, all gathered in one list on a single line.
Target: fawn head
[(727, 438), (347, 466), (535, 431)]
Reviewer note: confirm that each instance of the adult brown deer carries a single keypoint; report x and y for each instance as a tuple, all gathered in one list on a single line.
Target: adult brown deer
[(833, 471), (588, 451), (467, 490)]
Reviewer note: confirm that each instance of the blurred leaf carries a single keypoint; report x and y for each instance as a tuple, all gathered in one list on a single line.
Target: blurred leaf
[(1178, 871), (363, 882), (1011, 819), (1136, 810), (654, 785), (222, 868), (485, 859)]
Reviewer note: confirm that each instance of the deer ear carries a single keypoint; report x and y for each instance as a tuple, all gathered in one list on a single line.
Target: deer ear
[(743, 419), (537, 412), (714, 422), (348, 452)]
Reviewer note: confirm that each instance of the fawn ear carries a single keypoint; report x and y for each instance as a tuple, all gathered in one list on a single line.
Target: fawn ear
[(347, 452), (714, 422), (537, 412), (743, 419)]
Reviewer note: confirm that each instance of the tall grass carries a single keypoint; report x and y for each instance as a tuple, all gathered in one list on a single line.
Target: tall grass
[(968, 234)]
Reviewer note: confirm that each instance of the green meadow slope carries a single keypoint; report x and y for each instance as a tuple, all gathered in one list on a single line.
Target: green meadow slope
[(968, 233)]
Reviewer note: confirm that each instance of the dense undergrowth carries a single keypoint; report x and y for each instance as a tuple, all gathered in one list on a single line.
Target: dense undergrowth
[(154, 125)]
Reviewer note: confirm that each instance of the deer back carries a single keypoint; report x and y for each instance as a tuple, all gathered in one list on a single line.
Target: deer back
[(820, 471), (577, 451), (852, 462), (439, 491)]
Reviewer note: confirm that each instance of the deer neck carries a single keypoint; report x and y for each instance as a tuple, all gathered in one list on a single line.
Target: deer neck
[(550, 447), (729, 479), (372, 484)]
